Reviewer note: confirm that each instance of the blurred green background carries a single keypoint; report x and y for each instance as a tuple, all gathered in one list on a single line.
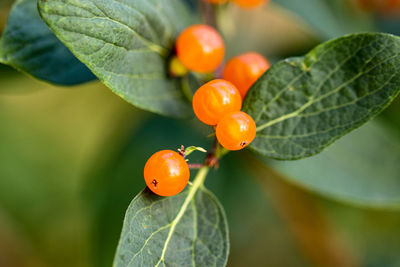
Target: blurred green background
[(71, 160)]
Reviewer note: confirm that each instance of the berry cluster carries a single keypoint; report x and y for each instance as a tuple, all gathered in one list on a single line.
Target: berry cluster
[(241, 3), (218, 103)]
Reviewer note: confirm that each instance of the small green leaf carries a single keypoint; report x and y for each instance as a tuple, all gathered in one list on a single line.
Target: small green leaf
[(191, 149), (28, 45), (126, 44), (302, 105), (188, 229)]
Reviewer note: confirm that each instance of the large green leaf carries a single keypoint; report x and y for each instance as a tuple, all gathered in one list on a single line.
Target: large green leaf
[(362, 168), (28, 45), (126, 44), (188, 229), (301, 105)]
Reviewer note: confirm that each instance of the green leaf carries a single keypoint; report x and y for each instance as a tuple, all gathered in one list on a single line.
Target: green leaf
[(191, 149), (126, 44), (362, 168), (302, 105), (28, 45), (188, 229)]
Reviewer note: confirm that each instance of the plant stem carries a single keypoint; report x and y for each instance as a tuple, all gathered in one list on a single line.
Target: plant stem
[(199, 179), (186, 88), (208, 12), (216, 153)]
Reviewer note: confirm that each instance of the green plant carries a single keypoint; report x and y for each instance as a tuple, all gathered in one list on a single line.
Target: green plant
[(300, 105)]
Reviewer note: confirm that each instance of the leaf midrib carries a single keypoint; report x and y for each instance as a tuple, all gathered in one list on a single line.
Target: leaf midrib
[(314, 100), (198, 182), (151, 45)]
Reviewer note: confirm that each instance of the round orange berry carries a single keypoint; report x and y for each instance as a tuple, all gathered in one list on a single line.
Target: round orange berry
[(244, 70), (166, 173), (214, 100), (249, 3), (236, 131), (200, 48)]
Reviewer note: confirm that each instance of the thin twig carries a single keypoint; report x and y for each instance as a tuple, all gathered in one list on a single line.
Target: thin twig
[(207, 11)]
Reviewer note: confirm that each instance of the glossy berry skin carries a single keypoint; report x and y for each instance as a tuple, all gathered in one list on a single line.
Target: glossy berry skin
[(214, 100), (244, 70), (249, 3), (200, 48), (236, 131), (166, 173)]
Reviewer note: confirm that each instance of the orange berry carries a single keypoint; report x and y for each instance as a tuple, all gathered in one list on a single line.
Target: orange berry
[(216, 1), (200, 48), (214, 100), (236, 131), (249, 3), (244, 70), (166, 173)]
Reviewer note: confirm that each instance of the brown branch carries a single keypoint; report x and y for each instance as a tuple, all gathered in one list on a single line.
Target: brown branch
[(207, 12)]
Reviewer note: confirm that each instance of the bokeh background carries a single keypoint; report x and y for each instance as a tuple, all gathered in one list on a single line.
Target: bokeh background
[(71, 160)]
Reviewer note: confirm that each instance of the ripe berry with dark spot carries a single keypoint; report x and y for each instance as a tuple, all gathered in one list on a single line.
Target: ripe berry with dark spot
[(236, 130), (166, 173)]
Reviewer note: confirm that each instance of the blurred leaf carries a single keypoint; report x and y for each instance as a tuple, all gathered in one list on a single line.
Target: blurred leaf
[(362, 168), (126, 44), (188, 229), (331, 233), (330, 19), (316, 238), (370, 235), (302, 105), (28, 45)]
